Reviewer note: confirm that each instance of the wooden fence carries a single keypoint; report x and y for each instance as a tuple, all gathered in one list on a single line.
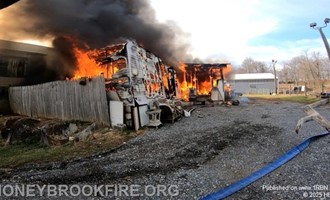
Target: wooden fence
[(66, 100)]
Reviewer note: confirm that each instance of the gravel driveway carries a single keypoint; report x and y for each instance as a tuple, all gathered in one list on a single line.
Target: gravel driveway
[(201, 154)]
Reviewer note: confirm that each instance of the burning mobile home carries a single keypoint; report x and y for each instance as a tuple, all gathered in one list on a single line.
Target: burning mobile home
[(139, 88), (136, 88), (139, 79)]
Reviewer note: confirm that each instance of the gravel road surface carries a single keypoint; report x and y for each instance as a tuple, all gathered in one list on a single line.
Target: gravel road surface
[(195, 156)]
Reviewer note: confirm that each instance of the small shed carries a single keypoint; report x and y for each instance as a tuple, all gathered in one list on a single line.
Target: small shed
[(254, 83)]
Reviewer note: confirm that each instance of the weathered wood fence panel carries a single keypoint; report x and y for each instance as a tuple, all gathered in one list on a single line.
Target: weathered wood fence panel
[(67, 100)]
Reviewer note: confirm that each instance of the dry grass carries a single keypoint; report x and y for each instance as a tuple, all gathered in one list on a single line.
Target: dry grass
[(103, 140), (291, 98)]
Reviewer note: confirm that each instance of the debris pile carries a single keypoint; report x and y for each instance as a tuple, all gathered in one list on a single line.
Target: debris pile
[(15, 130)]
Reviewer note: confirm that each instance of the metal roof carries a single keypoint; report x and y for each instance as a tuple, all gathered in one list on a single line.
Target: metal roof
[(6, 46), (252, 76)]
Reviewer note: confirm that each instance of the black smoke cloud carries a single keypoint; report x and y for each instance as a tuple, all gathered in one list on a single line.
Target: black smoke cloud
[(98, 23), (6, 3)]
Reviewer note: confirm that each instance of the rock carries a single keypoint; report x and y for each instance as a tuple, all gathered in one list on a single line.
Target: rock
[(71, 129), (83, 135), (54, 133)]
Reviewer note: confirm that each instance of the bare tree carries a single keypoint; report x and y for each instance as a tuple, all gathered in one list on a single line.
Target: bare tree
[(310, 68), (285, 74), (252, 66)]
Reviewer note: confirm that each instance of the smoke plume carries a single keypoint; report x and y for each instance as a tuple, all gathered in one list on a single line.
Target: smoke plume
[(96, 23)]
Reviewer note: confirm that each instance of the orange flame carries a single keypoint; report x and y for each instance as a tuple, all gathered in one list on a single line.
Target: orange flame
[(202, 83), (86, 66), (184, 85), (204, 88)]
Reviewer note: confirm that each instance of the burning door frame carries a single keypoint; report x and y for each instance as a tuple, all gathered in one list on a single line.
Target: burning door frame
[(200, 81)]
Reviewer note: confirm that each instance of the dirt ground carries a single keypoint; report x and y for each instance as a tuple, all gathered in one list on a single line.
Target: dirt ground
[(201, 154)]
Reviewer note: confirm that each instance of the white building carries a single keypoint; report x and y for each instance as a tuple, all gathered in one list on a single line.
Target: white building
[(253, 83)]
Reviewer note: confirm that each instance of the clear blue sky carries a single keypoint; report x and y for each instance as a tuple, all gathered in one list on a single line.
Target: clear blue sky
[(236, 29)]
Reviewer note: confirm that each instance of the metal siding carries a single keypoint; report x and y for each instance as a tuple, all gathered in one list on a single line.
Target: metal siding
[(261, 86)]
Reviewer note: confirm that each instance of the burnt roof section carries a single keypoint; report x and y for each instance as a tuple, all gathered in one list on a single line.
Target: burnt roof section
[(103, 55), (207, 65)]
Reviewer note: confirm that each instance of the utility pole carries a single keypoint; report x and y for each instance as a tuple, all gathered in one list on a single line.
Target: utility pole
[(319, 28), (325, 41), (275, 82)]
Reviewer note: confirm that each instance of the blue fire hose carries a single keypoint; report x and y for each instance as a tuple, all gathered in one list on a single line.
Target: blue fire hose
[(234, 187)]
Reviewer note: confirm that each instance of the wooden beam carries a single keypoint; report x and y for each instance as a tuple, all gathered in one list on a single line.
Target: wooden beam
[(312, 114)]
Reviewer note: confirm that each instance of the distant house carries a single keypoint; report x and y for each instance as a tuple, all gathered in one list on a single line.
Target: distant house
[(16, 61), (253, 83)]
